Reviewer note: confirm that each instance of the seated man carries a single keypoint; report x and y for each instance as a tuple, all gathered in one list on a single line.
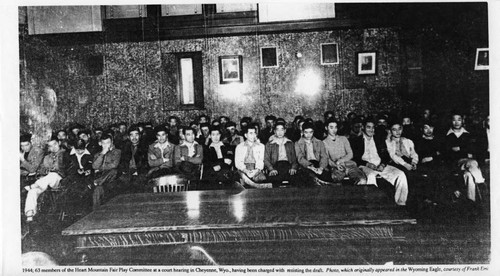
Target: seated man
[(63, 139), (189, 155), (80, 172), (458, 154), (404, 157), (105, 167), (279, 158), (233, 139), (409, 129), (217, 160), (173, 125), (249, 156), (311, 154), (120, 136), (30, 158), (90, 144), (372, 157), (268, 131), (401, 149), (134, 161), (339, 153), (356, 128), (428, 148), (53, 169), (160, 154), (204, 136)]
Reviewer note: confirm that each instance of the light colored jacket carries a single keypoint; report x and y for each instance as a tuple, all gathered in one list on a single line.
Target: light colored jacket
[(258, 154), (409, 147), (32, 163)]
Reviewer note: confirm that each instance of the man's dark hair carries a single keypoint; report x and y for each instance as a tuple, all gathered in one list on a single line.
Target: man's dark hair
[(193, 123), (160, 128), (270, 117), (215, 121), (203, 115), (186, 129), (202, 125), (456, 112), (98, 129), (281, 120), (307, 125), (329, 112), (395, 122), (280, 124), (106, 136), (122, 124), (85, 131), (134, 128), (25, 137), (331, 120), (79, 144), (427, 122), (357, 120), (250, 126), (298, 118), (230, 124), (369, 120), (215, 129), (247, 120)]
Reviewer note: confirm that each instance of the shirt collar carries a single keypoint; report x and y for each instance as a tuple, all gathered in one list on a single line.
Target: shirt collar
[(184, 143), (462, 131), (158, 145), (366, 137), (275, 140), (73, 151), (219, 144)]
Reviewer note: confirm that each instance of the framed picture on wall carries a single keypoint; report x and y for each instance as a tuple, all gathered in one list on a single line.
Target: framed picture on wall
[(329, 53), (482, 59), (268, 57), (230, 69), (367, 63)]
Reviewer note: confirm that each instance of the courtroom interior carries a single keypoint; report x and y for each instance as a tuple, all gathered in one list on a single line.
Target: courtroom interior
[(255, 134)]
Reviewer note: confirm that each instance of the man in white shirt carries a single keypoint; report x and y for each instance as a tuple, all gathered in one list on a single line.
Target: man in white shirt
[(372, 157), (249, 156)]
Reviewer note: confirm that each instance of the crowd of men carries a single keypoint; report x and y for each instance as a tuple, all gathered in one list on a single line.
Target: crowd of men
[(93, 163)]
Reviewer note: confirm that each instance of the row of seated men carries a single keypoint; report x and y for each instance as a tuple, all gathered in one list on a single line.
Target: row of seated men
[(88, 166)]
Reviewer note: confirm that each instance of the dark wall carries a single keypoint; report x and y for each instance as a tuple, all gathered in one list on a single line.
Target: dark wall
[(138, 82), (426, 61)]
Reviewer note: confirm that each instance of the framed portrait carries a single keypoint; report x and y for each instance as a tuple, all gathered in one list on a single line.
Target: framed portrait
[(482, 59), (367, 63), (329, 53), (268, 57), (231, 69)]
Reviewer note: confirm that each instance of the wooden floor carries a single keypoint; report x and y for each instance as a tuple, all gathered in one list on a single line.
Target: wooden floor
[(445, 234)]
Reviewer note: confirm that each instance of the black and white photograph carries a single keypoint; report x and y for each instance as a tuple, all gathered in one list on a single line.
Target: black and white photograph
[(248, 137), (230, 69), (269, 57), (367, 63), (329, 54), (482, 59)]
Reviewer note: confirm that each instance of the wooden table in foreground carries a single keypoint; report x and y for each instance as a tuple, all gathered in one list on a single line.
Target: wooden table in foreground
[(323, 225)]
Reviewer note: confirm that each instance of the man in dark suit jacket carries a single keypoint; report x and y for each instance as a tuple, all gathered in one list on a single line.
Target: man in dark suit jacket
[(371, 155), (134, 162), (218, 160)]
